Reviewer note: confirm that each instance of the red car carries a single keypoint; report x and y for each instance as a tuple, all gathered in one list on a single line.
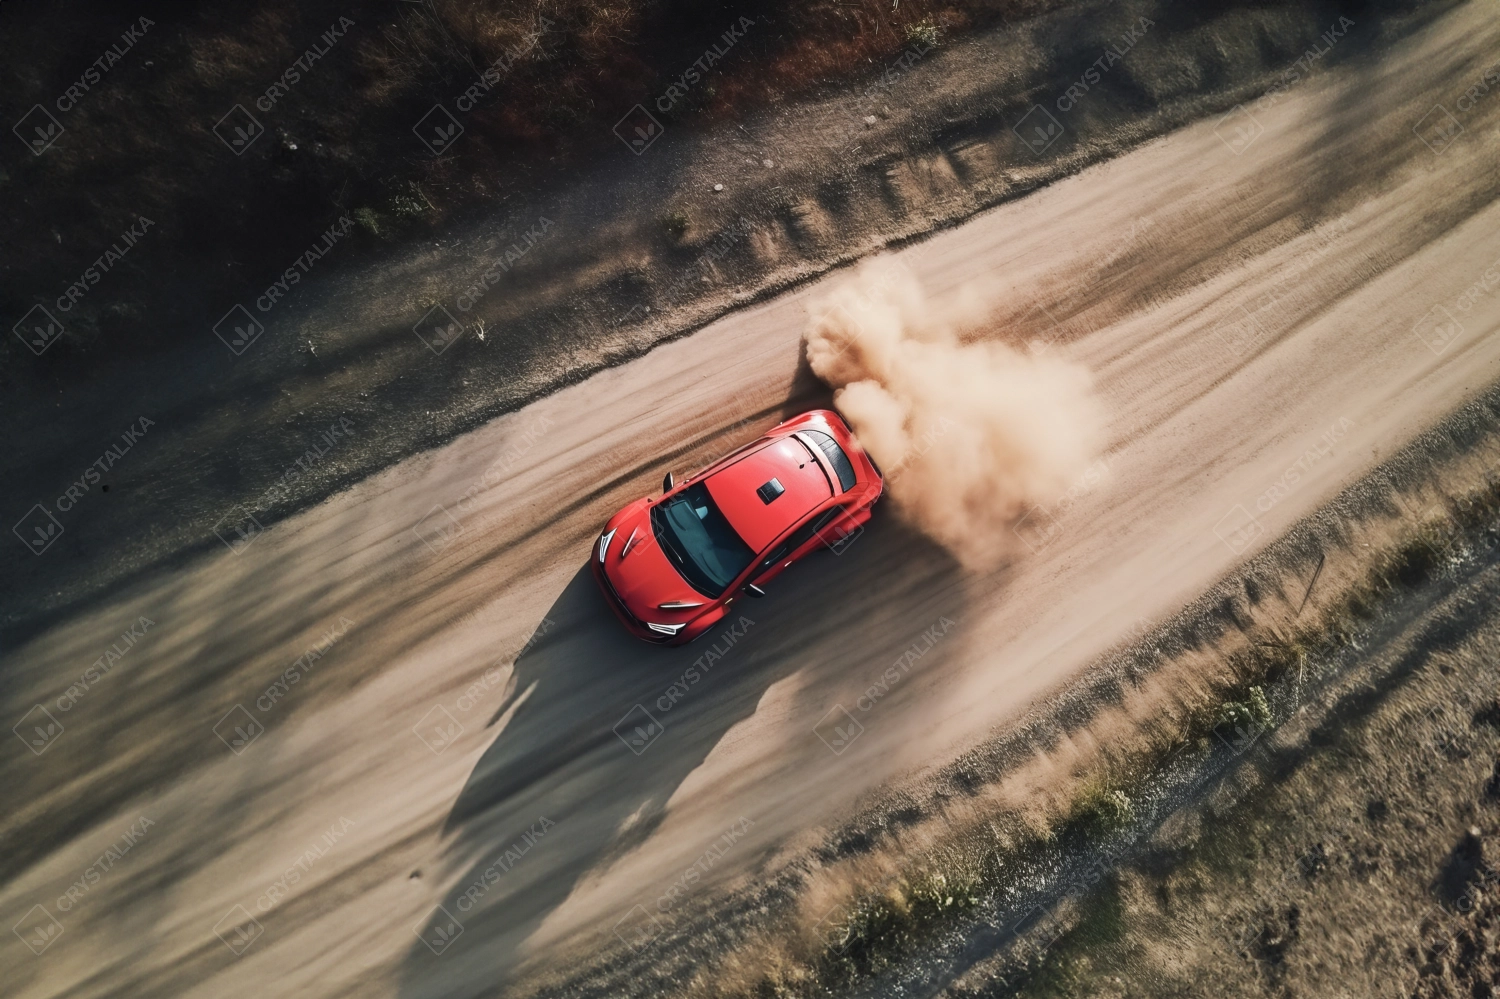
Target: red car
[(671, 567)]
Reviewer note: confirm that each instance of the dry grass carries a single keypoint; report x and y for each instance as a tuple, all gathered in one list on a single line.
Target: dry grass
[(863, 911), (562, 74), (1343, 863)]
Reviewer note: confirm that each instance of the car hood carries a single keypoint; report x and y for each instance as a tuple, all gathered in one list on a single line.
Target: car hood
[(641, 575)]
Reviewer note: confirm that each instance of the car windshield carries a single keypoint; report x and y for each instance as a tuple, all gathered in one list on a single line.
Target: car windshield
[(699, 541)]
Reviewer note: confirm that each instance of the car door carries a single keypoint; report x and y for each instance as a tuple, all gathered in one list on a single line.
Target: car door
[(789, 549)]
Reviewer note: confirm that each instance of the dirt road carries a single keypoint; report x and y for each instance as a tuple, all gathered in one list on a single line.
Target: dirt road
[(1267, 311)]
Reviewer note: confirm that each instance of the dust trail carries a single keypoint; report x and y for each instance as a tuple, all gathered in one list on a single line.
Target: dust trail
[(970, 435)]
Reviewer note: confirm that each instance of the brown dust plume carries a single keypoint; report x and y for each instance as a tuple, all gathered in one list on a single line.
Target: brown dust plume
[(970, 433)]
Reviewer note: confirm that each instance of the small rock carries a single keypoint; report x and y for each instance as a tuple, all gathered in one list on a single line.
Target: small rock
[(718, 187), (767, 164), (870, 119)]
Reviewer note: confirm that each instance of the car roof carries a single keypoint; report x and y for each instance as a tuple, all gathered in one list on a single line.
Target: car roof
[(734, 489)]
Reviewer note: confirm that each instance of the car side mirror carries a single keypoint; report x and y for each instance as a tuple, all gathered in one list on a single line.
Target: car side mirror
[(754, 591), (666, 483)]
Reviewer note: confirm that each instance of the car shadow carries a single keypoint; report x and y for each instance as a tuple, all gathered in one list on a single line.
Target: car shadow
[(556, 755)]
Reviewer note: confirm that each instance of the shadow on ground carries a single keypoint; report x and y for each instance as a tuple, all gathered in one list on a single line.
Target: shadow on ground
[(557, 754)]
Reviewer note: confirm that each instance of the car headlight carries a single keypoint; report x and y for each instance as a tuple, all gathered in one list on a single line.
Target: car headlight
[(666, 629), (604, 540)]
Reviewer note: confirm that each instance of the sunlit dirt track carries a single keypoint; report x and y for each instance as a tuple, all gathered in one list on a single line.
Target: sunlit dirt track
[(1262, 328)]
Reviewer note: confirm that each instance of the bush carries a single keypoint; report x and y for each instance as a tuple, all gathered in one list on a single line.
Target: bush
[(923, 33), (675, 223), (1253, 711), (1099, 810)]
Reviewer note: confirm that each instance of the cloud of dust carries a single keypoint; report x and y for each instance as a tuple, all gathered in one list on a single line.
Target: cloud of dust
[(971, 434)]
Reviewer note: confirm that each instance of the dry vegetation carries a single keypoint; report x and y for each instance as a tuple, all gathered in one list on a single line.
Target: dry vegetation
[(1033, 820), (339, 140), (1357, 856)]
